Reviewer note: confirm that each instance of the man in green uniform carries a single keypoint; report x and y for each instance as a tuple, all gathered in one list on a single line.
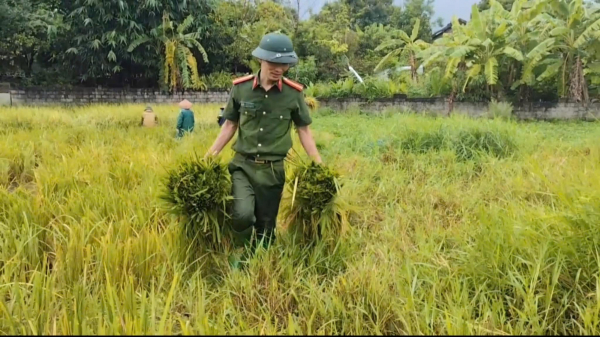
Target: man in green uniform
[(262, 107)]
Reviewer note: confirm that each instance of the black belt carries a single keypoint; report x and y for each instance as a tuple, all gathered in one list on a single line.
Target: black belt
[(261, 161)]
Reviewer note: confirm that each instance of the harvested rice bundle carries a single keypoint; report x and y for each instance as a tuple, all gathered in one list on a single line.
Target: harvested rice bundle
[(315, 211), (311, 102), (199, 190)]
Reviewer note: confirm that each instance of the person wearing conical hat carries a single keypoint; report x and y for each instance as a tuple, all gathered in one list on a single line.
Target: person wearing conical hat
[(185, 121), (262, 108)]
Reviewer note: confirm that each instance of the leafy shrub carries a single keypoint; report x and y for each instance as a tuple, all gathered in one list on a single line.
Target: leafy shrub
[(501, 110), (305, 72), (220, 80)]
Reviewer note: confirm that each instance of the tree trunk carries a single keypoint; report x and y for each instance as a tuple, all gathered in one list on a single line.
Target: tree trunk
[(523, 93), (451, 99), (413, 68), (576, 83)]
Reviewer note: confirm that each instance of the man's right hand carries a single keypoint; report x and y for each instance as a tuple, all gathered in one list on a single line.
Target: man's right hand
[(227, 131), (211, 153)]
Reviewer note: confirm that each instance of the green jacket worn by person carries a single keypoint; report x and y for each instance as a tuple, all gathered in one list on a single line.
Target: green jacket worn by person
[(262, 108), (185, 121)]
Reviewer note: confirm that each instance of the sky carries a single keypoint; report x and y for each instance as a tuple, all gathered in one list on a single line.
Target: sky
[(443, 8)]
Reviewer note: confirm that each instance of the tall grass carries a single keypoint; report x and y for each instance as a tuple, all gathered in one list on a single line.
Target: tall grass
[(501, 242)]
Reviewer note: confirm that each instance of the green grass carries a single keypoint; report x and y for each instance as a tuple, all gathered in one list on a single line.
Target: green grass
[(457, 226)]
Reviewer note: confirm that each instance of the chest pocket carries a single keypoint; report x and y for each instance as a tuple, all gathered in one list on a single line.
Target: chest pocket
[(282, 115), (247, 114)]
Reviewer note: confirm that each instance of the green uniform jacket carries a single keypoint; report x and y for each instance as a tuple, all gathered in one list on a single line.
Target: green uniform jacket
[(185, 121), (265, 118)]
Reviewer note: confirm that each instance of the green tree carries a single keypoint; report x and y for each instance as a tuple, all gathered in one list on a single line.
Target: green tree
[(329, 37), (413, 10), (410, 46), (180, 66), (485, 4), (576, 29), (25, 32), (476, 48), (367, 12)]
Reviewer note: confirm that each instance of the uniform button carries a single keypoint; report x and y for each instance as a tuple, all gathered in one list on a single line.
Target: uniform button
[(280, 117), (266, 96), (259, 145), (258, 155), (264, 112), (261, 129), (245, 112)]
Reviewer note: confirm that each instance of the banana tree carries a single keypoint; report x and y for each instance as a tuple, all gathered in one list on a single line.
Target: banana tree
[(531, 45), (478, 47), (410, 46), (180, 67), (576, 28)]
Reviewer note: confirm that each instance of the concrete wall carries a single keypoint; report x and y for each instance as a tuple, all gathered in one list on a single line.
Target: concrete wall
[(428, 106), (36, 96), (440, 107), (4, 99)]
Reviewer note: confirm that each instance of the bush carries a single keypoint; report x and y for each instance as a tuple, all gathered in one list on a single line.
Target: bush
[(220, 80), (501, 110), (305, 72)]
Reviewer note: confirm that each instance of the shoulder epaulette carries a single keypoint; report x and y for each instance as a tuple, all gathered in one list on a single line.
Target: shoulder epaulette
[(293, 84), (242, 79)]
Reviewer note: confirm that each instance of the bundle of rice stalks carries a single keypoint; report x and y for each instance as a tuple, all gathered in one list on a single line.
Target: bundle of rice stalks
[(315, 211), (199, 190), (311, 102)]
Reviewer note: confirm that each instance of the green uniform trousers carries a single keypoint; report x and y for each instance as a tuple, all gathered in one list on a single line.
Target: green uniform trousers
[(257, 190)]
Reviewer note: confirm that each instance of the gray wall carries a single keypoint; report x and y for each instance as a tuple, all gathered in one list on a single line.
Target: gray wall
[(106, 95), (429, 106), (4, 99), (440, 107)]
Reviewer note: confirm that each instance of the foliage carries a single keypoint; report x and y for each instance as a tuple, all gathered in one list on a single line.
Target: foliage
[(177, 53), (536, 39), (305, 71), (516, 50), (503, 110), (372, 88), (410, 45), (220, 80)]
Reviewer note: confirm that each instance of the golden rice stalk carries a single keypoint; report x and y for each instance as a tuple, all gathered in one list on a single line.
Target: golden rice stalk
[(199, 190), (316, 212), (311, 102)]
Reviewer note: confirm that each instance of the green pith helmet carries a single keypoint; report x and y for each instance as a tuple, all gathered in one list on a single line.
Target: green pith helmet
[(276, 48)]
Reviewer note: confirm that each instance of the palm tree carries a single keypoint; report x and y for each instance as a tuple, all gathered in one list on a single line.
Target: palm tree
[(180, 65), (404, 45)]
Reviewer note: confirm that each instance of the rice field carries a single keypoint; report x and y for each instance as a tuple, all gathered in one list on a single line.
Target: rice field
[(457, 226)]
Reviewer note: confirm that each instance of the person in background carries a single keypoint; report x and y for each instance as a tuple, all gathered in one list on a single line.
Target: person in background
[(221, 119), (185, 121), (149, 118)]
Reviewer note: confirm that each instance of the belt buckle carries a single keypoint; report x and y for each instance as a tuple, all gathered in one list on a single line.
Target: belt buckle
[(259, 161)]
